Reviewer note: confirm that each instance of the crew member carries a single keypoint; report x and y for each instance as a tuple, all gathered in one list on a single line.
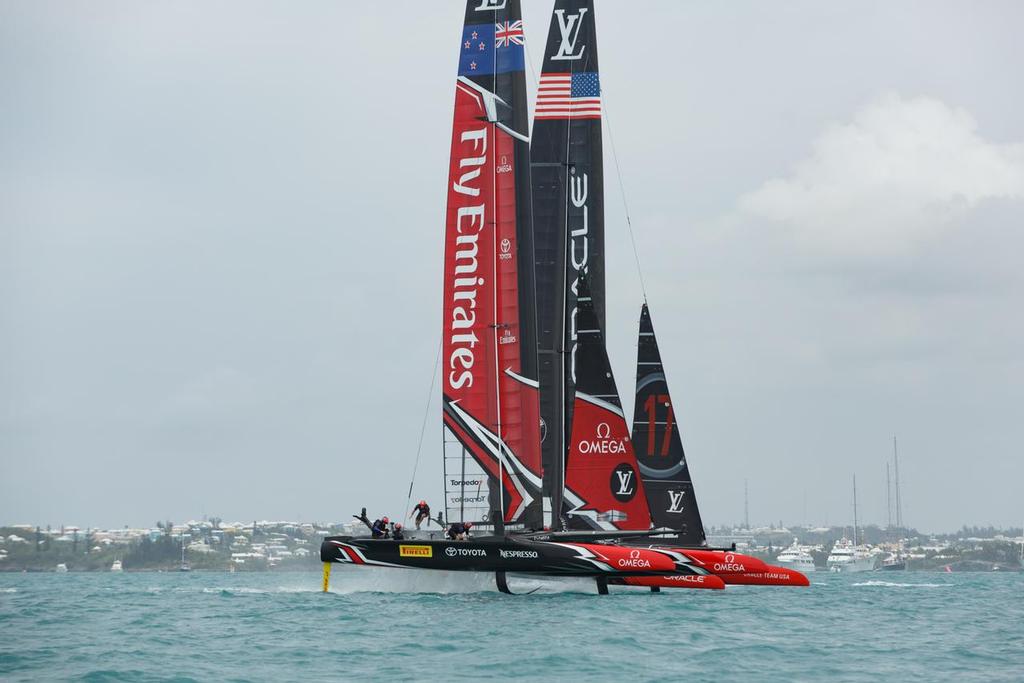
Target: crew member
[(380, 528), (422, 512), (459, 531), (397, 533)]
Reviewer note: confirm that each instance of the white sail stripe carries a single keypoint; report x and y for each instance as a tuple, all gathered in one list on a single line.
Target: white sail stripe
[(525, 380), (518, 136), (600, 404), (506, 452), (489, 440), (577, 503), (566, 113)]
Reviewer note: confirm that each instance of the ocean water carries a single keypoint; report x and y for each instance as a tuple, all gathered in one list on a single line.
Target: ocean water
[(280, 627)]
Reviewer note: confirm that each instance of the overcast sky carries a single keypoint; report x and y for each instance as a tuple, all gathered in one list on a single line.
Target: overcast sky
[(221, 238)]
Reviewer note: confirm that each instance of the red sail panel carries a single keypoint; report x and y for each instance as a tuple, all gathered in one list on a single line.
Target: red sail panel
[(602, 473), (489, 407)]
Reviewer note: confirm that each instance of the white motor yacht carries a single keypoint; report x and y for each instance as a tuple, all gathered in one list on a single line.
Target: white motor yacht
[(847, 557), (796, 557)]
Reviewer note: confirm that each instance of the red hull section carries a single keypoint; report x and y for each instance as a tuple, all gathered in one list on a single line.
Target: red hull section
[(677, 581), (739, 569), (622, 558), (770, 576)]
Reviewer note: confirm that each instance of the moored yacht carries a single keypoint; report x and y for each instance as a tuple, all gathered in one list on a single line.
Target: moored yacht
[(796, 557), (116, 566), (847, 557), (894, 562)]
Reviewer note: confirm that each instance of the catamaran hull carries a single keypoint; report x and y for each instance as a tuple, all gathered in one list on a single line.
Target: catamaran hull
[(546, 558), (673, 581), (738, 569)]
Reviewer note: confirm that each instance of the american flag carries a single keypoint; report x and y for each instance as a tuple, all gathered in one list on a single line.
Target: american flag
[(569, 96), (506, 33)]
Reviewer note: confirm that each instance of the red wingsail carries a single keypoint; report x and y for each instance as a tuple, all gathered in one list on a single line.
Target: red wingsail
[(491, 408)]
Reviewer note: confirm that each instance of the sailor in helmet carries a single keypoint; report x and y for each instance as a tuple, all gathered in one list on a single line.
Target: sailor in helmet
[(422, 512), (459, 531), (380, 528)]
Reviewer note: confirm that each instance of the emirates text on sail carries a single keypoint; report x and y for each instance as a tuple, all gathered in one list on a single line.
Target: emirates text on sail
[(469, 222)]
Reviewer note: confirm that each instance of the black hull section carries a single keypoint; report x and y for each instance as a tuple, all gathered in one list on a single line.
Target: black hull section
[(491, 554)]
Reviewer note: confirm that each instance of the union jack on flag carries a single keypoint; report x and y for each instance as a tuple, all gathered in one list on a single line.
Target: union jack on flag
[(505, 33)]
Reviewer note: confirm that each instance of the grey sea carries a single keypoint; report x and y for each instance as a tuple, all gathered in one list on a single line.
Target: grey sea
[(274, 627)]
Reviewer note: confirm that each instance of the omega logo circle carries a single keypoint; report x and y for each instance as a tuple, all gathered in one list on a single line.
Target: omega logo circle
[(603, 430)]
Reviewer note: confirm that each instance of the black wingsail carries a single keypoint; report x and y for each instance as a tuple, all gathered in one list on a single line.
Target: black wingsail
[(568, 219), (659, 448)]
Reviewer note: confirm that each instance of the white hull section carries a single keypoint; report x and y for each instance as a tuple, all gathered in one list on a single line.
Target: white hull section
[(801, 564), (846, 564), (346, 578)]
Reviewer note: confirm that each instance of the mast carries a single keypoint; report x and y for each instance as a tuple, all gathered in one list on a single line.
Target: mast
[(888, 499), (855, 509), (490, 391), (568, 212), (899, 500), (658, 443)]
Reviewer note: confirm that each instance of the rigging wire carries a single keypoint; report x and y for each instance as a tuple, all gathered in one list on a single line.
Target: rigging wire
[(423, 427), (622, 192)]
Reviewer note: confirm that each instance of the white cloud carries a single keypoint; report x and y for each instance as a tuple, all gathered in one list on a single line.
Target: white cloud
[(897, 175)]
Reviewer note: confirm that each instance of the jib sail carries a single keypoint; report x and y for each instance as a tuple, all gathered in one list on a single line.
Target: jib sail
[(659, 448), (568, 214), (489, 368), (603, 489)]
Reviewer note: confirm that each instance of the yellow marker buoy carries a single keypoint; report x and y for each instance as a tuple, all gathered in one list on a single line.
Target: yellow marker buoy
[(327, 575)]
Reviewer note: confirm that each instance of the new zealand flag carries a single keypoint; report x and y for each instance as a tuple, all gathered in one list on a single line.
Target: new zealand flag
[(481, 47)]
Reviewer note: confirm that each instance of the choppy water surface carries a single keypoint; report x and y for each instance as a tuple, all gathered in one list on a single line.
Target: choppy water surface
[(199, 626)]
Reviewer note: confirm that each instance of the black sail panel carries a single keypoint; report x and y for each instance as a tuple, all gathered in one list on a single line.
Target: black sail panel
[(568, 201), (659, 448)]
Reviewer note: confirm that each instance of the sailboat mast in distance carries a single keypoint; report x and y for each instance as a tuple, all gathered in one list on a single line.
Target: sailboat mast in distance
[(659, 446), (855, 509), (489, 381), (888, 499), (899, 499), (568, 215)]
